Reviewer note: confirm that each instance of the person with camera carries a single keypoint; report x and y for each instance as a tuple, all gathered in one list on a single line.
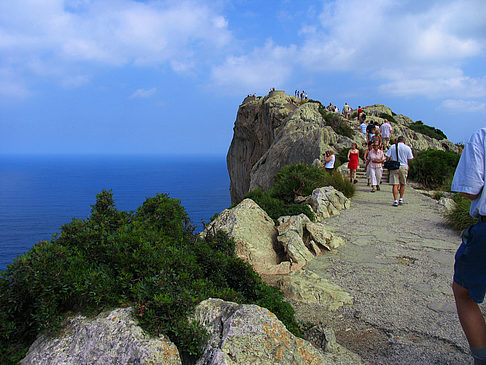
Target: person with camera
[(329, 159)]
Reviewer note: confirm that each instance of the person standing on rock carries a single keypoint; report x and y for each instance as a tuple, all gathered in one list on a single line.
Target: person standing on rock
[(329, 159), (346, 110), (469, 285), (353, 158), (398, 178)]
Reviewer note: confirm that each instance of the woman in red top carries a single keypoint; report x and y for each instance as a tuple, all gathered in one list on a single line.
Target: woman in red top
[(353, 157)]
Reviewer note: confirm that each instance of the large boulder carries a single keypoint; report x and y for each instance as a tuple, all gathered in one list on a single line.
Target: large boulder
[(248, 334), (327, 201), (109, 338), (255, 235)]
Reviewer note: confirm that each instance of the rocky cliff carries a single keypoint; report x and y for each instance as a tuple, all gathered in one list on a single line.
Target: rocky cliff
[(278, 130)]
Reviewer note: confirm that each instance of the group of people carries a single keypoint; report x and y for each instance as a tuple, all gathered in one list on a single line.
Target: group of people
[(374, 159), (302, 95)]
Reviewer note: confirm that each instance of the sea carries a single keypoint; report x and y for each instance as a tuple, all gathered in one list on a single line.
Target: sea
[(39, 194)]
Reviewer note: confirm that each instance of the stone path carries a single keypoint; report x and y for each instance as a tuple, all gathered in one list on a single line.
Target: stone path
[(397, 264)]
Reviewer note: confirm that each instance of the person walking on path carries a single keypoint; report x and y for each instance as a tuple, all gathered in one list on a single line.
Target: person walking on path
[(362, 128), (367, 162), (353, 157), (469, 283), (386, 130), (398, 178), (376, 157)]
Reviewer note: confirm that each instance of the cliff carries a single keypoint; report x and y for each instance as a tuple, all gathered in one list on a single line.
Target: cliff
[(278, 130)]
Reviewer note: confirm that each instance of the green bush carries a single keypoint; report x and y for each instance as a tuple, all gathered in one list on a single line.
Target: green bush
[(420, 127), (433, 168), (148, 259), (387, 117), (293, 181), (338, 124), (459, 217)]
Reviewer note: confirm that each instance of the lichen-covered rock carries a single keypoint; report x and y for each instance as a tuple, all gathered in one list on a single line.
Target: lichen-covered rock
[(248, 334), (278, 130), (109, 338), (308, 287), (254, 233), (327, 201)]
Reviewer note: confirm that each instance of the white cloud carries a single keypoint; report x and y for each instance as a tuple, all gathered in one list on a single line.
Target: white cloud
[(463, 106), (143, 93), (410, 47), (58, 33)]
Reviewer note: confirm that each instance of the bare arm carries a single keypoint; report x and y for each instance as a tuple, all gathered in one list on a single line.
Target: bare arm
[(471, 196)]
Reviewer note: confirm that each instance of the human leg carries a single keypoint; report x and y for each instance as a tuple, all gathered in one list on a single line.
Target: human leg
[(470, 316)]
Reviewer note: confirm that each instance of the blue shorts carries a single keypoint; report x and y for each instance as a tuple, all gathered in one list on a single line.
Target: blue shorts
[(470, 265)]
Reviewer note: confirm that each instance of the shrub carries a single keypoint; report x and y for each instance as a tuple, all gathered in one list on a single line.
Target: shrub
[(433, 168), (387, 117), (337, 123), (149, 259), (420, 127), (459, 217), (297, 180)]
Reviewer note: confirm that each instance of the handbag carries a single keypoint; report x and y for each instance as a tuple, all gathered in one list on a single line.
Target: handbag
[(391, 164)]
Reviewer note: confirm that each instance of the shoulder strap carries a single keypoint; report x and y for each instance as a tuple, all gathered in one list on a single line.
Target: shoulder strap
[(396, 145)]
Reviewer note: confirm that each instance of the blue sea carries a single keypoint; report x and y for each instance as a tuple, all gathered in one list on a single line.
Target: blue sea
[(38, 194)]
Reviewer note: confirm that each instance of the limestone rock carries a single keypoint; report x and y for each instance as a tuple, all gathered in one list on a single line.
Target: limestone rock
[(447, 204), (327, 201), (248, 334), (109, 338), (308, 287), (255, 235)]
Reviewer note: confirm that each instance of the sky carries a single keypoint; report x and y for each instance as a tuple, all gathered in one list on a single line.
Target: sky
[(167, 77)]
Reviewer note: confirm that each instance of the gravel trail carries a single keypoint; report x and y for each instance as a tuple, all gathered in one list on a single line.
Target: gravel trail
[(397, 264)]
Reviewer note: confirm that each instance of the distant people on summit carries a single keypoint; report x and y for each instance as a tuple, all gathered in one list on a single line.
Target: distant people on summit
[(360, 110), (386, 131), (398, 178), (330, 159), (353, 158), (469, 283), (346, 110)]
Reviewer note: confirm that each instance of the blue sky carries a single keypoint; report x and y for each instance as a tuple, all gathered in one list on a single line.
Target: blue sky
[(151, 77)]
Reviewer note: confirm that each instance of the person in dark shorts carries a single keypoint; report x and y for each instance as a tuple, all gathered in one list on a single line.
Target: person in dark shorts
[(469, 285)]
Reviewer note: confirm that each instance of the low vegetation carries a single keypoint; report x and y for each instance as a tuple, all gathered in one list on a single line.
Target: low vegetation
[(387, 117), (459, 217), (432, 132), (339, 125), (149, 259), (293, 181), (433, 168)]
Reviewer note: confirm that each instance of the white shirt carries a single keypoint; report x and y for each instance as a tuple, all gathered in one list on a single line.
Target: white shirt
[(404, 153), (363, 128), (330, 164), (470, 172), (385, 129)]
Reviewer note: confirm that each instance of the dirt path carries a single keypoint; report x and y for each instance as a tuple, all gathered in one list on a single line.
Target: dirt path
[(397, 264)]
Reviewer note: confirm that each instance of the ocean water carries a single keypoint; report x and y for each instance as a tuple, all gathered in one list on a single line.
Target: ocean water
[(38, 194)]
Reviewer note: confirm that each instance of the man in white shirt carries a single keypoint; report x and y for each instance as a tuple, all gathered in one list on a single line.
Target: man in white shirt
[(469, 284), (398, 178), (386, 130)]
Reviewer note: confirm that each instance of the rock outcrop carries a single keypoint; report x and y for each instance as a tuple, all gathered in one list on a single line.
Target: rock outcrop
[(278, 250), (109, 338), (278, 130), (248, 334)]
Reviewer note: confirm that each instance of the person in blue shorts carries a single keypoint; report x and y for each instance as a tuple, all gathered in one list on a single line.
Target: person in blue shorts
[(469, 285)]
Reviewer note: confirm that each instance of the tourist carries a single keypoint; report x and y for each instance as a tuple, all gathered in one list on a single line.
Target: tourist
[(346, 110), (363, 127), (377, 137), (386, 130), (360, 110), (469, 285), (329, 159), (376, 158), (353, 158), (367, 163), (398, 178), (370, 130)]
